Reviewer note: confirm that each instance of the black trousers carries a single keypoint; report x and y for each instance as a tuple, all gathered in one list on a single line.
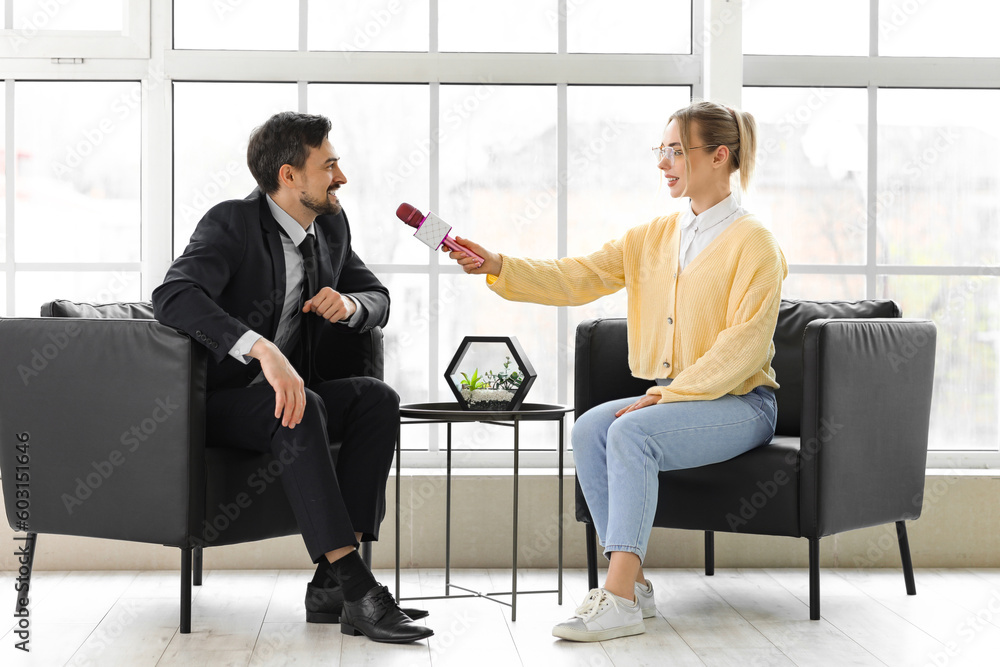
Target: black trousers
[(333, 494)]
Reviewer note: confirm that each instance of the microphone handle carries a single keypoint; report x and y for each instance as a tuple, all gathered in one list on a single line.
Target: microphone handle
[(450, 243)]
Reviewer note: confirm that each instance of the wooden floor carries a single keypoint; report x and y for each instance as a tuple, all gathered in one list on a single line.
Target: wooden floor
[(742, 618)]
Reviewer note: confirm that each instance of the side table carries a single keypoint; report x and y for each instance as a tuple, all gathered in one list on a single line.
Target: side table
[(451, 413)]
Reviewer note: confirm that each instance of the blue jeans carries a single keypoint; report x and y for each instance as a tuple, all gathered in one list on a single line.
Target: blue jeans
[(618, 459)]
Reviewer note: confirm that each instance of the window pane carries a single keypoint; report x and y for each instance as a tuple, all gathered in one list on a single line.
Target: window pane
[(485, 25), (212, 124), (78, 147), (612, 182), (33, 288), (368, 25), (407, 343), (793, 27), (966, 311), (257, 25), (811, 183), (498, 166), (823, 287), (964, 28), (597, 26), (933, 200), (3, 172), (32, 15), (381, 133), (498, 187)]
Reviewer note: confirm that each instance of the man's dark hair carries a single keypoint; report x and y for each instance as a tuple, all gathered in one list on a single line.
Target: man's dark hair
[(284, 138)]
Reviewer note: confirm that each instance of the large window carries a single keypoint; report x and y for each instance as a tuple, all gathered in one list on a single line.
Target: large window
[(869, 178), (527, 125)]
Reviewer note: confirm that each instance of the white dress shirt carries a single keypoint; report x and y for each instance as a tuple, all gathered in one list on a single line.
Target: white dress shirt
[(287, 335), (697, 231)]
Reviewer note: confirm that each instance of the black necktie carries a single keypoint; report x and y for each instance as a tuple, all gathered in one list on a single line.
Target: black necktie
[(310, 265)]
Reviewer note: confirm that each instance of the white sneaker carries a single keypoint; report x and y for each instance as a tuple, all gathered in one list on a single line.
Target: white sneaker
[(646, 598), (603, 615)]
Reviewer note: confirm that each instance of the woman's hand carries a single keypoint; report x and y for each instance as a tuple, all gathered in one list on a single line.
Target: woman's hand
[(492, 262), (648, 399)]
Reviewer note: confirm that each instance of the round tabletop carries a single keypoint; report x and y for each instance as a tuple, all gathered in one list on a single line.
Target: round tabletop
[(452, 411)]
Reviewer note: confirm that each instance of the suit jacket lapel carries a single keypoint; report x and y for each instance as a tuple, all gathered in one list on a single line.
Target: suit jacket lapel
[(272, 237)]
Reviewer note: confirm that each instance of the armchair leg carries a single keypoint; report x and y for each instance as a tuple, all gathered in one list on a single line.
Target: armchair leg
[(813, 578), (196, 579), (29, 546), (591, 556), (185, 590), (904, 555), (366, 553), (709, 553)]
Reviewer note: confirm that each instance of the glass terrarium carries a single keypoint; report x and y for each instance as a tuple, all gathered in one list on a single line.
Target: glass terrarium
[(490, 373)]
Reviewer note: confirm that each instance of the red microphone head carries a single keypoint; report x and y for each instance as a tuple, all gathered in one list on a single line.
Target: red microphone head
[(409, 215)]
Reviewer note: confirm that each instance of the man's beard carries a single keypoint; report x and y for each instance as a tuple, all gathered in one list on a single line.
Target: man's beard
[(325, 207)]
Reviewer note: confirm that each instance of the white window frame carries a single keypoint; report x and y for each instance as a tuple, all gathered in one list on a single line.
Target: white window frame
[(34, 41)]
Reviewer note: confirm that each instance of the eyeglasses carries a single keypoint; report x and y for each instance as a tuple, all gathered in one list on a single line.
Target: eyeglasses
[(671, 153)]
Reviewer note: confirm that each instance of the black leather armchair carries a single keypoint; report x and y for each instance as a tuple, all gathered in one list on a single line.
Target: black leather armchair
[(850, 447), (111, 405)]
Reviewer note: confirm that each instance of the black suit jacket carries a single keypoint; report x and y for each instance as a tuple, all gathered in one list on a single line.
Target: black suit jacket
[(231, 278)]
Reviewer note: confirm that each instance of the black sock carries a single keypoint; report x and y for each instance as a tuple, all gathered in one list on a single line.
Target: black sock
[(324, 574), (353, 576)]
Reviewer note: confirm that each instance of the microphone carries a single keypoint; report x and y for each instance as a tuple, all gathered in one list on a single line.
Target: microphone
[(432, 230)]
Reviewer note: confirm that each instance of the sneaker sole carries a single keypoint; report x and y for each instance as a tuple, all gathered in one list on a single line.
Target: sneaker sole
[(598, 635), (649, 613)]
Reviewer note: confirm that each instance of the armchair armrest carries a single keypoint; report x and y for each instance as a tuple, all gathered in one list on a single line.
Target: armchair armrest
[(602, 371), (602, 375), (867, 387), (344, 352), (113, 412)]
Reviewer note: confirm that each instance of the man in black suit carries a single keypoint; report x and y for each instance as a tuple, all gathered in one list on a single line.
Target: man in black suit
[(259, 280)]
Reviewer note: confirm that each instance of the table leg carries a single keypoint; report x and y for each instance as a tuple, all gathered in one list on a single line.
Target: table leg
[(560, 509), (513, 582), (398, 500), (447, 523)]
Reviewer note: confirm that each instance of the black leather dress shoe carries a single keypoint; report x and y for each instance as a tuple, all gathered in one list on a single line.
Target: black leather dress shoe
[(377, 617), (324, 605)]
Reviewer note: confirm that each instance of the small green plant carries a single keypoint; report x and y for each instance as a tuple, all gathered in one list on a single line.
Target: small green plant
[(505, 379), (475, 382)]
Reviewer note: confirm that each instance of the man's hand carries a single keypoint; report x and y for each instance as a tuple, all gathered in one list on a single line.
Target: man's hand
[(648, 399), (289, 389), (492, 261), (331, 305)]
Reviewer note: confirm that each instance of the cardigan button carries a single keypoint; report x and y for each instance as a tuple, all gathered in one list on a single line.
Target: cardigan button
[(670, 320), (666, 364)]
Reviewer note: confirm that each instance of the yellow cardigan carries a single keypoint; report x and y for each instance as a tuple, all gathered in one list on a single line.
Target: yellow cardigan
[(709, 327)]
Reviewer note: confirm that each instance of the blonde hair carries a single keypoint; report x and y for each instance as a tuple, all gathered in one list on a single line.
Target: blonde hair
[(721, 126)]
